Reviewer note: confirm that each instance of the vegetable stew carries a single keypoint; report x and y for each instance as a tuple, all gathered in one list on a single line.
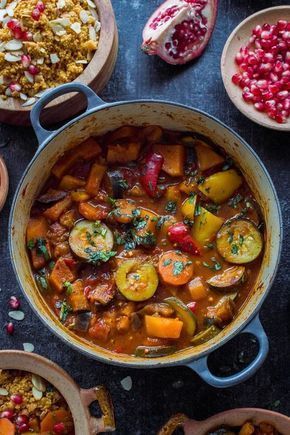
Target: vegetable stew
[(30, 405), (145, 241), (248, 428)]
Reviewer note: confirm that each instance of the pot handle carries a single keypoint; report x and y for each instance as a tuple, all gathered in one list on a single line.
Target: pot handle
[(201, 368), (92, 99), (106, 423)]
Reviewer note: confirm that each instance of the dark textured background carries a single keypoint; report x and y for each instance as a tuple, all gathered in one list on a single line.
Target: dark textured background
[(156, 394)]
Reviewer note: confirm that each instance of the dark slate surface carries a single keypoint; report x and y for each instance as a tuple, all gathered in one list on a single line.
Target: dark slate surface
[(156, 394)]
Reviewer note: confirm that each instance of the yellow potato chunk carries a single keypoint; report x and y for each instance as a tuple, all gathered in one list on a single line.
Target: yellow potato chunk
[(205, 227), (220, 186)]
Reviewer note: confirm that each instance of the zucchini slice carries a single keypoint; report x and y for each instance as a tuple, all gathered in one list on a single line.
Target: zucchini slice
[(154, 351), (227, 279), (137, 282), (184, 313), (204, 336), (87, 237), (239, 241)]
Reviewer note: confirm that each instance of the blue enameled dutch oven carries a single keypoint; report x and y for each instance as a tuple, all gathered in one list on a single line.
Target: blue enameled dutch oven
[(98, 119)]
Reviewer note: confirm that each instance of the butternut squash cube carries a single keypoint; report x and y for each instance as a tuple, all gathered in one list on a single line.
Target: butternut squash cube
[(206, 157), (60, 274), (174, 157), (77, 299)]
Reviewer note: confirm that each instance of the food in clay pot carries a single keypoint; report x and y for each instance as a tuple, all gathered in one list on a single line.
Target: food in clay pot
[(179, 30)]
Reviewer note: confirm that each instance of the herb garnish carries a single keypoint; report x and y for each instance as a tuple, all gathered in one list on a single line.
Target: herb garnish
[(234, 249), (215, 266), (68, 286), (167, 262), (171, 206), (235, 200), (96, 257), (213, 208), (200, 180), (179, 266), (123, 184), (30, 244), (197, 210), (40, 246), (65, 309)]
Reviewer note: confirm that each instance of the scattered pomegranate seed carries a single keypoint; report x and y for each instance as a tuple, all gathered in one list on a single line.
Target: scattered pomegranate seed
[(14, 302), (33, 70), (36, 14), (9, 328), (40, 6), (192, 306), (59, 428), (21, 419), (17, 399), (9, 413), (264, 70)]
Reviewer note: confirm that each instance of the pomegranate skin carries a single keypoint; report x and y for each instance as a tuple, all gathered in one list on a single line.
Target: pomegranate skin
[(179, 30)]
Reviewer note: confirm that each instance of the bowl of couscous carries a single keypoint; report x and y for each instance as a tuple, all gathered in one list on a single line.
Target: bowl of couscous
[(47, 43), (37, 396)]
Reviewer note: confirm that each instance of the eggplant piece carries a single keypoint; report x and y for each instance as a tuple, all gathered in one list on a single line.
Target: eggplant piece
[(204, 336), (239, 241), (154, 351), (88, 238), (222, 313), (115, 184), (160, 308), (82, 322), (191, 157), (52, 195), (184, 313), (227, 279)]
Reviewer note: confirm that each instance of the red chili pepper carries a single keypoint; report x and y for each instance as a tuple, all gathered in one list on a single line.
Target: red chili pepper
[(152, 168), (192, 306), (70, 262), (179, 233)]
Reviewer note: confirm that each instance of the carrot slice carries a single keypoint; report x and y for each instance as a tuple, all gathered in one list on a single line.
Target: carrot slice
[(162, 327), (54, 417), (6, 427), (175, 268)]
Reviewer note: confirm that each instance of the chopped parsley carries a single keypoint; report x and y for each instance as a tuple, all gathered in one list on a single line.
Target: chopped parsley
[(161, 221), (231, 237), (123, 184), (68, 286), (99, 229), (213, 208), (200, 180), (197, 210), (188, 221), (64, 310), (234, 249), (210, 245), (171, 206), (40, 246), (97, 257), (111, 201), (179, 266), (241, 239), (235, 200), (192, 198), (167, 262), (214, 266), (30, 244), (148, 239)]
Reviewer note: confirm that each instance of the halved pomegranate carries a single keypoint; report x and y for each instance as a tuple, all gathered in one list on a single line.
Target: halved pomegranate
[(179, 30)]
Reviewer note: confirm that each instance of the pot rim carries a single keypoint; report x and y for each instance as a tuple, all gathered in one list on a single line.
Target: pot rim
[(175, 358)]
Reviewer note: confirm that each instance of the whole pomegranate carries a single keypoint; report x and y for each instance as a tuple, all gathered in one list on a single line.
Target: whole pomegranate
[(179, 30)]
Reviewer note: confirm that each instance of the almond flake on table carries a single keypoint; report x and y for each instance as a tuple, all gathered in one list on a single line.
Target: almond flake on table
[(16, 315), (28, 347), (127, 383)]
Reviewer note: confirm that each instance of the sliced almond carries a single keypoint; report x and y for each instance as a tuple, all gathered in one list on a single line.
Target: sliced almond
[(97, 26), (40, 61), (91, 4), (82, 61), (11, 57), (23, 97), (14, 44), (29, 77), (84, 16), (37, 37), (38, 383), (92, 33), (1, 80), (54, 58), (64, 22), (3, 392), (36, 393), (29, 102), (76, 27), (3, 3), (3, 14), (60, 4)]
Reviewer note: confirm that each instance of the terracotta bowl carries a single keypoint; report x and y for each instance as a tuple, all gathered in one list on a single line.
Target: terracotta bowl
[(77, 399), (4, 183), (233, 417), (238, 38), (96, 74)]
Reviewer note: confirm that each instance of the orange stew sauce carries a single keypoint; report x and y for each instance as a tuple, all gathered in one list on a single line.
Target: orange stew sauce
[(145, 241)]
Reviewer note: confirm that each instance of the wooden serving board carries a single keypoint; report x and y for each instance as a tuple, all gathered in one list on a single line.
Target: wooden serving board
[(96, 75)]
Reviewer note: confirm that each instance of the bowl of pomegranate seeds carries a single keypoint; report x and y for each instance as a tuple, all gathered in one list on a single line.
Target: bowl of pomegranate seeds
[(47, 43), (255, 67)]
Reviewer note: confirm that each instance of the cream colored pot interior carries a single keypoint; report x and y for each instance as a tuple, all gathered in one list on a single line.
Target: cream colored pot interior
[(168, 116)]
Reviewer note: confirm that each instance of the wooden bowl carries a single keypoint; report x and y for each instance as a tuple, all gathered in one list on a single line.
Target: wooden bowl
[(96, 74), (4, 183), (238, 38)]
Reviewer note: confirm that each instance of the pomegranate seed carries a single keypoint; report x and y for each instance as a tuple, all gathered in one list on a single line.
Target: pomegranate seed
[(263, 84), (268, 57), (272, 113), (270, 104), (280, 118), (17, 399), (18, 34), (286, 104), (9, 328), (9, 413), (14, 302), (27, 36), (36, 14), (59, 428), (12, 24), (23, 428), (247, 96), (21, 419), (236, 79), (265, 67), (267, 95), (192, 306), (40, 6), (14, 87), (33, 70), (282, 24), (257, 30), (25, 60), (282, 95), (259, 106)]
